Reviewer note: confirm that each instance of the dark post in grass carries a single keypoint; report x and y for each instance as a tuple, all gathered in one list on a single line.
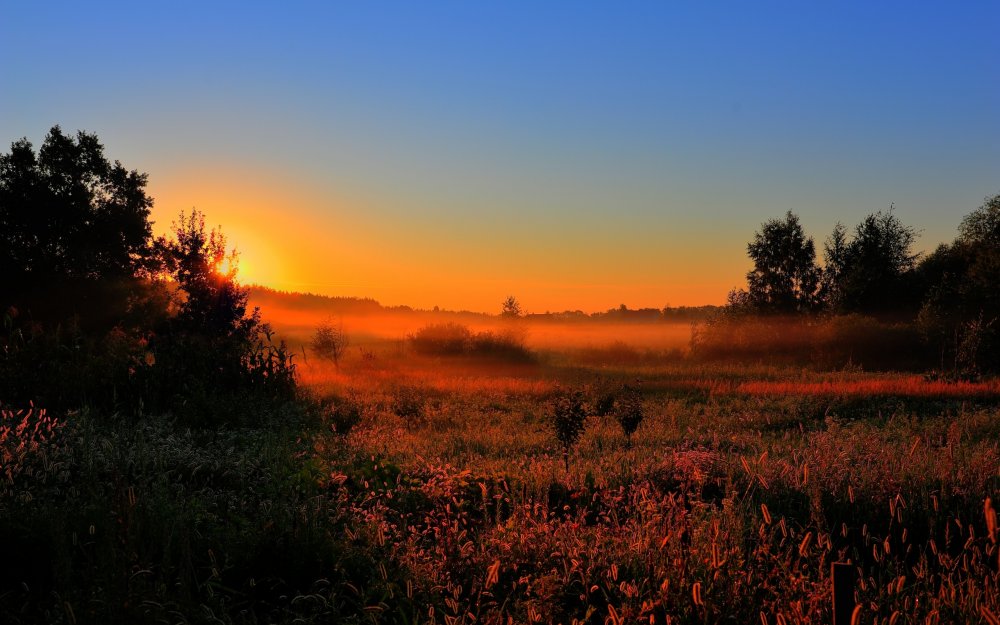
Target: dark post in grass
[(843, 592)]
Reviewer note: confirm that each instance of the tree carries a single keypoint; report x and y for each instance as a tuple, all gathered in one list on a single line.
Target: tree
[(212, 300), (214, 348), (511, 308), (330, 342), (835, 255), (978, 244), (961, 303), (872, 272), (982, 226), (785, 278), (72, 226)]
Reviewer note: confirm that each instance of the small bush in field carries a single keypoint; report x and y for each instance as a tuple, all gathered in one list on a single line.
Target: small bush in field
[(627, 410), (568, 420), (442, 339), (330, 342)]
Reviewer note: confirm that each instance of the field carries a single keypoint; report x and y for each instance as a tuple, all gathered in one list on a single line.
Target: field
[(421, 489)]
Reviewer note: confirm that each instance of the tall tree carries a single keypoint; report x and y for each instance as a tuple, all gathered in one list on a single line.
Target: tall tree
[(872, 272), (961, 307), (70, 221), (785, 278), (979, 243)]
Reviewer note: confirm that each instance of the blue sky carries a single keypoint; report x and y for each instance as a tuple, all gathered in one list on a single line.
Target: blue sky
[(582, 154)]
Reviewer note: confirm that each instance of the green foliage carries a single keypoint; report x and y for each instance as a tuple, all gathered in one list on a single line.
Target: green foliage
[(342, 414), (143, 521)]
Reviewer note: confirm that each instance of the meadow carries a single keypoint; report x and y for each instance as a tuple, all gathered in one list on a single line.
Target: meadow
[(413, 488)]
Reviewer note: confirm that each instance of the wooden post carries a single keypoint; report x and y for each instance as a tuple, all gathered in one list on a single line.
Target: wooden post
[(843, 575)]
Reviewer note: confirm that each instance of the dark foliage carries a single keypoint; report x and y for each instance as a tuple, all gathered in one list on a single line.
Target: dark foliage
[(569, 417), (455, 339), (213, 356), (872, 272), (95, 313), (785, 278), (627, 410), (74, 231)]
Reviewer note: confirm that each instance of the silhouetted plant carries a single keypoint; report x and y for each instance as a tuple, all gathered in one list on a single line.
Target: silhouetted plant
[(785, 278), (627, 410), (214, 350), (442, 339), (74, 230), (343, 414), (330, 342), (568, 419), (511, 308), (871, 271)]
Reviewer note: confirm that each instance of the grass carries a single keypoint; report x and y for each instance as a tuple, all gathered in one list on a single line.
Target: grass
[(434, 491)]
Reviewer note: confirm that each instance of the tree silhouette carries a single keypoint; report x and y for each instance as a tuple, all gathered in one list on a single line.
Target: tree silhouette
[(511, 308), (329, 342), (785, 278), (72, 224), (870, 273), (213, 350), (212, 301), (961, 303)]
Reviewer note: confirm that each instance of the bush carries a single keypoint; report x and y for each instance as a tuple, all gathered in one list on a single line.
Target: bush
[(501, 345), (442, 339), (627, 409), (454, 339), (569, 419)]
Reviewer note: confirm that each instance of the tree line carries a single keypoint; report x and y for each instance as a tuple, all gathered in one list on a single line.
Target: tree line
[(950, 295)]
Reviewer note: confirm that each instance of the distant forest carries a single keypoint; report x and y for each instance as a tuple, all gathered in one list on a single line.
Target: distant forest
[(265, 297)]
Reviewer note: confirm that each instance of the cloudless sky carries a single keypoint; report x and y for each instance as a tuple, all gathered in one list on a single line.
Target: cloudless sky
[(576, 155)]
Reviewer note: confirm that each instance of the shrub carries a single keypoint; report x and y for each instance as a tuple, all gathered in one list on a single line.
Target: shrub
[(568, 419), (502, 345), (442, 339), (454, 339), (627, 409), (330, 342)]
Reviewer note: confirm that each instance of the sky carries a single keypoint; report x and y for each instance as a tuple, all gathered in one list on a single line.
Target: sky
[(576, 155)]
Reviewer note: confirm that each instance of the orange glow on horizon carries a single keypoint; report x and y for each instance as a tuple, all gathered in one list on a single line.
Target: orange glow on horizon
[(295, 237)]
